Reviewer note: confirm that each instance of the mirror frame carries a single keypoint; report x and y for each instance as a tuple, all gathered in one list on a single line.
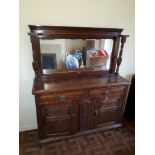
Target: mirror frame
[(38, 32)]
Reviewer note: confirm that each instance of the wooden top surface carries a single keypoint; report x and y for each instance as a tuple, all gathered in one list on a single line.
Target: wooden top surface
[(76, 84)]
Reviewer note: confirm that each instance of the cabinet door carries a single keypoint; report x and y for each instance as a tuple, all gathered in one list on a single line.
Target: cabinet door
[(106, 111), (59, 118)]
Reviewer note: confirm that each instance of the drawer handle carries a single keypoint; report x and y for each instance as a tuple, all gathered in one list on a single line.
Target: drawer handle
[(107, 92), (62, 97)]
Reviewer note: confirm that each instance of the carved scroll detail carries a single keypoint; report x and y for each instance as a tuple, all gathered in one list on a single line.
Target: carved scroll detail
[(57, 111), (36, 54), (105, 104)]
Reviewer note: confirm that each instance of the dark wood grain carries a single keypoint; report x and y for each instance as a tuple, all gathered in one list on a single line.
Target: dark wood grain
[(97, 104), (75, 102), (62, 32)]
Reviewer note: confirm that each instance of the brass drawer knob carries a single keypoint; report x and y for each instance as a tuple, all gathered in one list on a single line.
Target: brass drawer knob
[(62, 97), (107, 92)]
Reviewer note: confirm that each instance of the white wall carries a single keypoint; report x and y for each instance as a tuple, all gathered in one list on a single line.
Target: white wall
[(93, 13)]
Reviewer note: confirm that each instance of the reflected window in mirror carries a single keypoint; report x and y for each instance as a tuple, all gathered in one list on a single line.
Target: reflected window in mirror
[(76, 53)]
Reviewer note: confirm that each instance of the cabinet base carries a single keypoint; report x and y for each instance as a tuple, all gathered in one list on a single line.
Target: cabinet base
[(51, 139)]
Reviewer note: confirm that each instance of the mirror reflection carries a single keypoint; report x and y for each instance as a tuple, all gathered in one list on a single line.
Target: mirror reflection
[(76, 53)]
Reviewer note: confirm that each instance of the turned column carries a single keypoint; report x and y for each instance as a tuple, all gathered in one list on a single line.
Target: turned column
[(119, 60)]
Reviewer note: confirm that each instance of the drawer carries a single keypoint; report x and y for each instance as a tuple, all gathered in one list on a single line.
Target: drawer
[(113, 96), (107, 101), (119, 89), (59, 97), (97, 92), (107, 91)]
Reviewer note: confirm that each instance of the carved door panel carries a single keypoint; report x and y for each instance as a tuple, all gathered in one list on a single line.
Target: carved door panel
[(59, 118), (85, 114), (106, 111)]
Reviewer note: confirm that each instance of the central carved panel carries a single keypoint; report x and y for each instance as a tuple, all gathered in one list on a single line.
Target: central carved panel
[(84, 114)]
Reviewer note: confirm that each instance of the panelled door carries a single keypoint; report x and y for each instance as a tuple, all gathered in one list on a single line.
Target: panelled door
[(107, 106), (58, 118), (106, 112)]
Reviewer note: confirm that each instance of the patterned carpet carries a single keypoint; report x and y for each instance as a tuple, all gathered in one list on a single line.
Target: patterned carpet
[(120, 141)]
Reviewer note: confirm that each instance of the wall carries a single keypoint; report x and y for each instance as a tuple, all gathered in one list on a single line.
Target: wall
[(73, 44), (93, 13)]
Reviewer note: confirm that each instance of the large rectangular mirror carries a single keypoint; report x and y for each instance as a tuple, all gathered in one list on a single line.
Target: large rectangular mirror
[(75, 53), (72, 51)]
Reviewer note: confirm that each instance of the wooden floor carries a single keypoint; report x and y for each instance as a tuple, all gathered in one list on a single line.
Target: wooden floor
[(120, 141)]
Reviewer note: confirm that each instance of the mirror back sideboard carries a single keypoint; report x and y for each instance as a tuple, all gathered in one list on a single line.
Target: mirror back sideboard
[(73, 102)]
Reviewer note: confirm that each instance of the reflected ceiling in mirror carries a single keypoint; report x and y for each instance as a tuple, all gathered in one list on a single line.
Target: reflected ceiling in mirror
[(72, 54)]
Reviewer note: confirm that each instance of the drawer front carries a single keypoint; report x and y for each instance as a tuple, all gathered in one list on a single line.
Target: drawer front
[(106, 101), (97, 92), (59, 97), (107, 91), (75, 95), (119, 89)]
